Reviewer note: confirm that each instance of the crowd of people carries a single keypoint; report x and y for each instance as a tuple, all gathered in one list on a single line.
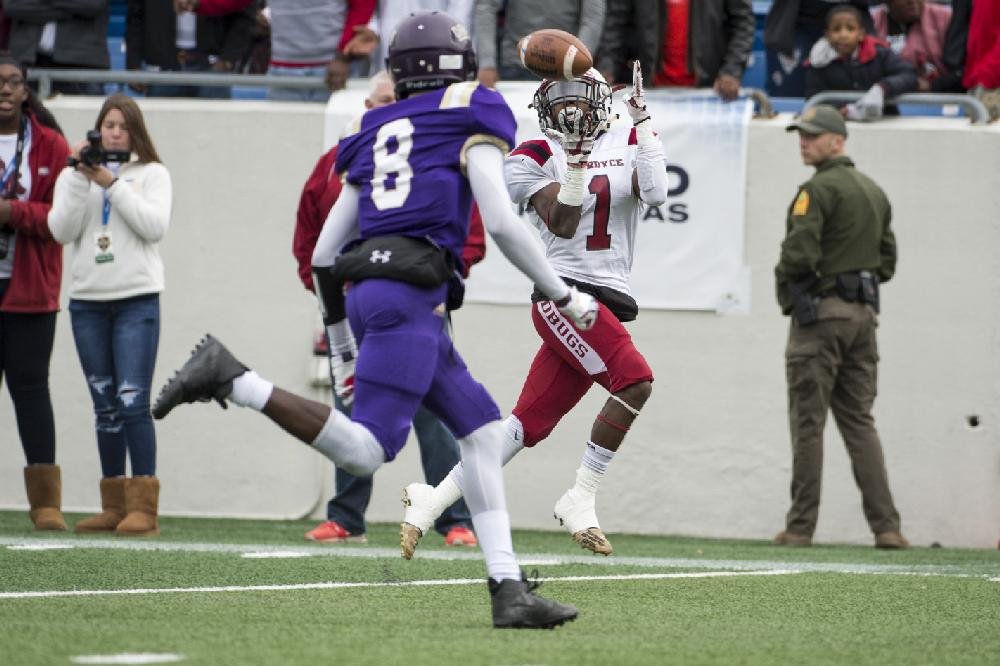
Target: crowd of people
[(899, 46)]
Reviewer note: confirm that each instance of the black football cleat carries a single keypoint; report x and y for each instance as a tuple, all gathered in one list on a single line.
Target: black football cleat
[(516, 606), (208, 374)]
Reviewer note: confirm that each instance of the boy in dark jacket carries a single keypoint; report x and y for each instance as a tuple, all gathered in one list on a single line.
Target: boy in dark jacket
[(848, 59)]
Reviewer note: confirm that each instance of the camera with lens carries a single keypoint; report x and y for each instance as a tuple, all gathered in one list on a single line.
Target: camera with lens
[(93, 154)]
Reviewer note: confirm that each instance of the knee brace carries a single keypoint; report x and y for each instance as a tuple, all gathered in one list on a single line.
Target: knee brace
[(618, 426)]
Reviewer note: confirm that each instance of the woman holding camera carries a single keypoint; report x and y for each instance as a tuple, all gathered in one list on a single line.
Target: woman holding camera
[(115, 215), (32, 152)]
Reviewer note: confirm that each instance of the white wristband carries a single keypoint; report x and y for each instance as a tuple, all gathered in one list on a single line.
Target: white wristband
[(644, 133), (571, 188)]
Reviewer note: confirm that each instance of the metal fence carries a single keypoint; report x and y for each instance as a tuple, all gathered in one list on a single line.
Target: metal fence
[(975, 109)]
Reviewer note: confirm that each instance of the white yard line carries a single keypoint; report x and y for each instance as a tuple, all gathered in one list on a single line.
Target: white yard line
[(340, 585), (127, 658), (528, 559)]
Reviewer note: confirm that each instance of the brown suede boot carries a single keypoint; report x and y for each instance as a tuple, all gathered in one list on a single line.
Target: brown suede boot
[(112, 507), (44, 486), (142, 498)]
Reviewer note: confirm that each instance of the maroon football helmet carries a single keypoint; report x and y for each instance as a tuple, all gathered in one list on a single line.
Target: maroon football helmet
[(430, 50)]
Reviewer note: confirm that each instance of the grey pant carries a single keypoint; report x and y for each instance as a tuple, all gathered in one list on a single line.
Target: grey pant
[(832, 365)]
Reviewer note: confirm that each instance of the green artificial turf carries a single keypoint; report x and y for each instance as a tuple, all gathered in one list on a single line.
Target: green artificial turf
[(922, 606)]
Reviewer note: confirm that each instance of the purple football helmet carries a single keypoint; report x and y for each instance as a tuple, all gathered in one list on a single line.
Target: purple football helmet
[(430, 50)]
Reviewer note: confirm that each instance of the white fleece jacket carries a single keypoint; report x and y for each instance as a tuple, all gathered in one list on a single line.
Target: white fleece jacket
[(140, 214)]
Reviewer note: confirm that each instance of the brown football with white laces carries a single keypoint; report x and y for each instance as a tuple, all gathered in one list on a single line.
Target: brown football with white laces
[(554, 55)]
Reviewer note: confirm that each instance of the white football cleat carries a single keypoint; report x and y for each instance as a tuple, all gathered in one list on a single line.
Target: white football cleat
[(418, 517), (577, 513)]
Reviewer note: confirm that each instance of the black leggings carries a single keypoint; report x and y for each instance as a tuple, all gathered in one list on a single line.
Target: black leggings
[(26, 341)]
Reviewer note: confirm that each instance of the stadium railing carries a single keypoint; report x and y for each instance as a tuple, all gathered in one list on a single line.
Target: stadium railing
[(977, 112), (45, 77)]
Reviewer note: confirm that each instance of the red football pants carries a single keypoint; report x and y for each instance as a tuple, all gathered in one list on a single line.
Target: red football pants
[(569, 362)]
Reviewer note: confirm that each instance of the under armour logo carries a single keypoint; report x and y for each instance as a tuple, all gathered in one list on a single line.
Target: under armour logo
[(380, 256)]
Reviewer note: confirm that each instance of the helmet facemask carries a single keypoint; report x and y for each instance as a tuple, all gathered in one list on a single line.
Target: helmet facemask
[(581, 106)]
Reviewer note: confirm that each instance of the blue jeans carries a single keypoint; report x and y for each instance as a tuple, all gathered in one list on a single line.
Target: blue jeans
[(117, 343), (438, 454), (298, 94)]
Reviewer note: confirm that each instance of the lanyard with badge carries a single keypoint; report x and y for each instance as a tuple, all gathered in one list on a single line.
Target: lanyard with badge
[(103, 253), (10, 180)]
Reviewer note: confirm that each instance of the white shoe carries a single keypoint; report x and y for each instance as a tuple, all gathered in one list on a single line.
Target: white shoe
[(577, 513), (418, 517)]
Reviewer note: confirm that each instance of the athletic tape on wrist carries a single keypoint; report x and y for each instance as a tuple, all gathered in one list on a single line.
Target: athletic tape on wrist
[(571, 188)]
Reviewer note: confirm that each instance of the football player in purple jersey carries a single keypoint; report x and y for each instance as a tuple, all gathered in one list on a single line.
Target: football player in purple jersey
[(384, 267)]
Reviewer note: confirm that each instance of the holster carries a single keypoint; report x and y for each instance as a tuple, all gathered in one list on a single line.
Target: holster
[(859, 287), (805, 306)]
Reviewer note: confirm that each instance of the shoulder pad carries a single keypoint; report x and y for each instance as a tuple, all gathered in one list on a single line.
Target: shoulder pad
[(458, 95), (536, 149)]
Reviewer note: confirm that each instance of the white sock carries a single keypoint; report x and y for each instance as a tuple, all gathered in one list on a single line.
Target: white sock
[(593, 466), (251, 390), (515, 431), (512, 444), (493, 532), (484, 493), (447, 492)]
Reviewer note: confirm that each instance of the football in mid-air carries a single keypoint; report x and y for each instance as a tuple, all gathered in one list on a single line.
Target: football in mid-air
[(554, 54)]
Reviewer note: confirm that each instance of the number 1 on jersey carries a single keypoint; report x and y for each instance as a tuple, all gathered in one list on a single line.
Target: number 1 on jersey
[(392, 165), (600, 239)]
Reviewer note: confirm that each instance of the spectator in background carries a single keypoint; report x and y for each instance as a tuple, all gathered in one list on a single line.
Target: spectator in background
[(438, 449), (498, 57), (848, 59), (792, 27), (982, 61), (69, 34), (31, 144), (307, 39), (691, 43), (915, 30), (115, 216), (255, 58), (372, 40), (164, 35)]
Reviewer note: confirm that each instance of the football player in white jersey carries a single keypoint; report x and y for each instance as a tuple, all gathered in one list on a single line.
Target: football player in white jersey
[(584, 184)]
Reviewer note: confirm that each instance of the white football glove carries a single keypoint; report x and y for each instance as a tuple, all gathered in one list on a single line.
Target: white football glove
[(869, 107), (581, 309), (574, 132), (343, 376), (635, 103)]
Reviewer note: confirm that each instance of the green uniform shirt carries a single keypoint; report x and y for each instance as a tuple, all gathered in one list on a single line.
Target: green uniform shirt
[(839, 222)]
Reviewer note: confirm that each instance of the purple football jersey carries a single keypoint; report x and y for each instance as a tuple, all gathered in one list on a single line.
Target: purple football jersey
[(407, 160)]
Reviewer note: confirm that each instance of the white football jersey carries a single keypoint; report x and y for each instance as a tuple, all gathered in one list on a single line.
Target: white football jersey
[(601, 251)]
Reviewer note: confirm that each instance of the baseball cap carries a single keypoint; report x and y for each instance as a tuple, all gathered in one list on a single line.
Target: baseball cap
[(818, 120)]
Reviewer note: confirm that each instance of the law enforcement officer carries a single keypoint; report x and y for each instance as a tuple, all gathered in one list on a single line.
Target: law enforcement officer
[(838, 248)]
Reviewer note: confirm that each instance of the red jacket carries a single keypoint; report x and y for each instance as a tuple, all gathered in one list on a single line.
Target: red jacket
[(924, 44), (37, 272), (318, 196), (982, 61)]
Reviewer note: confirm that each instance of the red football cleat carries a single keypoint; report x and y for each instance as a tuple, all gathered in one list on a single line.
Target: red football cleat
[(332, 532), (461, 536)]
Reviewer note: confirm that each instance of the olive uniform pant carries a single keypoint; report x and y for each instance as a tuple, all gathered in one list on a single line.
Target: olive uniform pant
[(832, 364)]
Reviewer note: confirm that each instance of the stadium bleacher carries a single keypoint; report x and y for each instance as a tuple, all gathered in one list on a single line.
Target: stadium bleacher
[(754, 76)]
